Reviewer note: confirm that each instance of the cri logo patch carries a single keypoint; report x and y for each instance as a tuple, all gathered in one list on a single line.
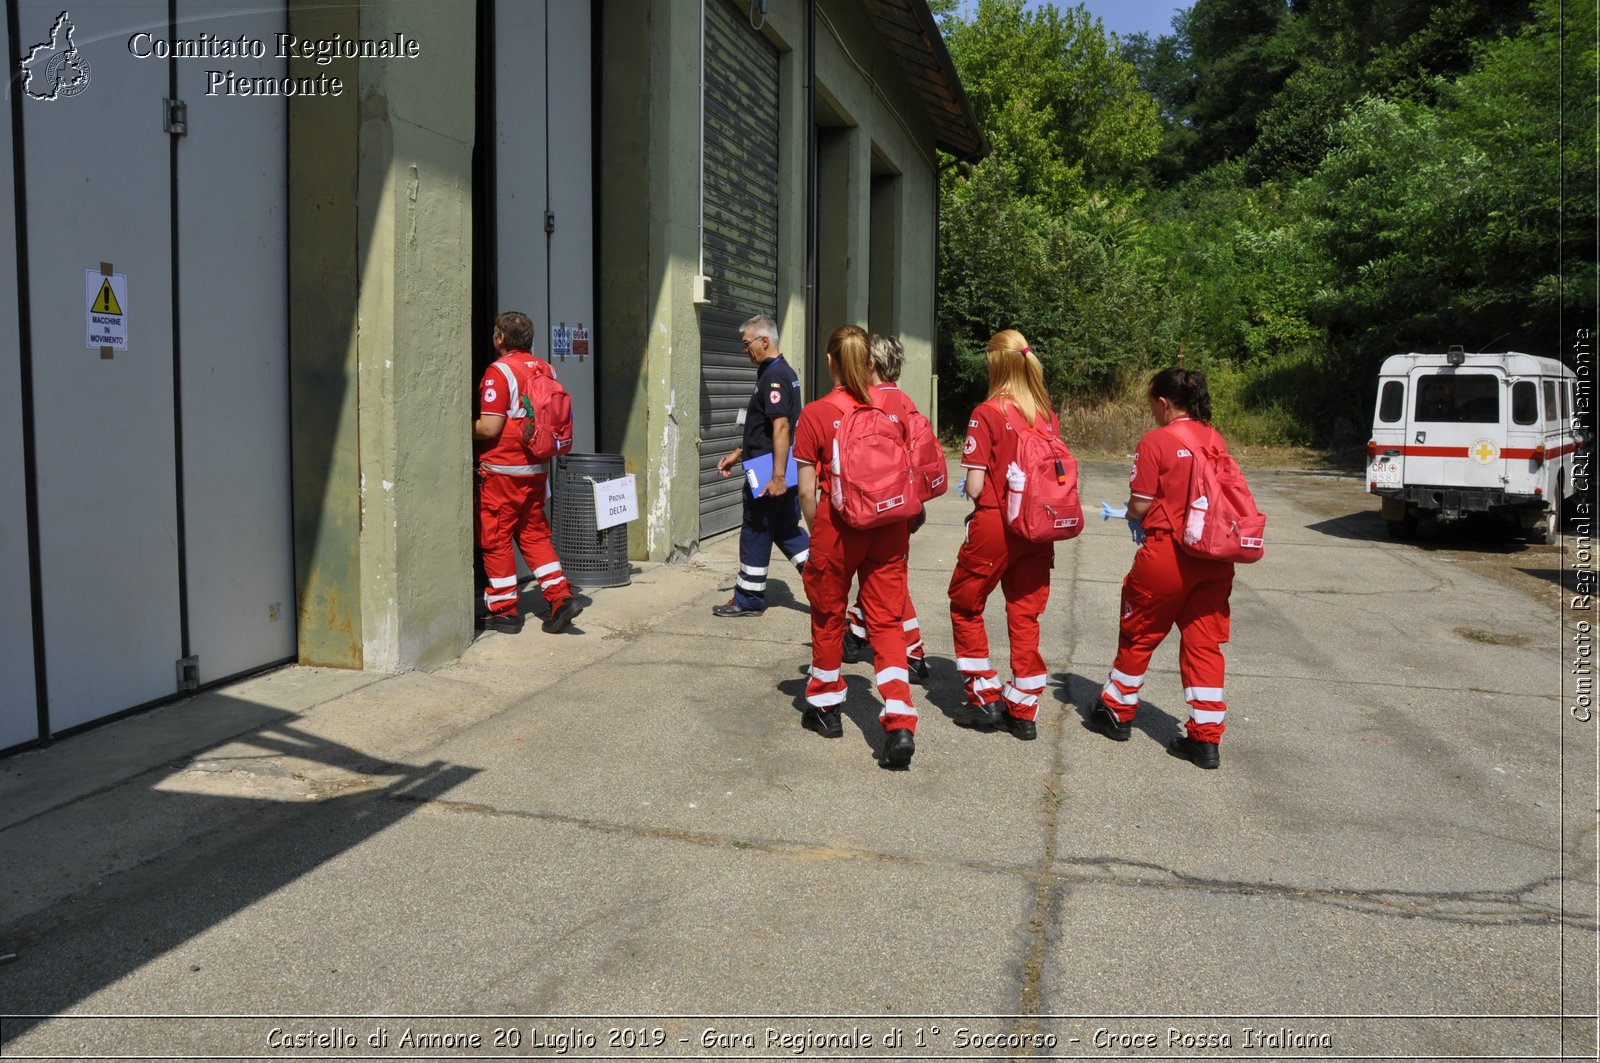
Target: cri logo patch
[(969, 446)]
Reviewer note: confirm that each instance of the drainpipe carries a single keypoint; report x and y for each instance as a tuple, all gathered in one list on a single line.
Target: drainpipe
[(814, 367)]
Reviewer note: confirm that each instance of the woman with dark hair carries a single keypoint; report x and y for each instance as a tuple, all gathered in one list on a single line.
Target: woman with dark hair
[(1167, 586), (995, 556), (839, 553)]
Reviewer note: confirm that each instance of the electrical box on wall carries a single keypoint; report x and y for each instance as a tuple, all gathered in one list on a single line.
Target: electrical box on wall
[(701, 281)]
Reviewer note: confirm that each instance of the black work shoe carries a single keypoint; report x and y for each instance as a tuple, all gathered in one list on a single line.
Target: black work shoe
[(979, 715), (733, 608), (1105, 721), (856, 649), (562, 616), (505, 623), (824, 722), (1026, 730), (898, 745), (917, 666), (1200, 754)]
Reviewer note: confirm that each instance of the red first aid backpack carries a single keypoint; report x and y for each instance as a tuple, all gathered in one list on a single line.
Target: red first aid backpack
[(872, 479), (1048, 510), (1220, 518), (930, 472), (546, 421)]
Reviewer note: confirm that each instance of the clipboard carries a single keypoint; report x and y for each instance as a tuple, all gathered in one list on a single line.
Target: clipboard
[(758, 472)]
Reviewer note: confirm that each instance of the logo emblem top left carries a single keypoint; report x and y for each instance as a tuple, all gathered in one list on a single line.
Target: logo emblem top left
[(55, 69)]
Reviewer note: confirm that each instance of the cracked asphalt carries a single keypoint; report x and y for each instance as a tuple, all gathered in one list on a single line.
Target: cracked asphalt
[(622, 836)]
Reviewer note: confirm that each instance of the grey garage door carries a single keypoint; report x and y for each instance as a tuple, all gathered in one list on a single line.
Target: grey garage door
[(741, 237)]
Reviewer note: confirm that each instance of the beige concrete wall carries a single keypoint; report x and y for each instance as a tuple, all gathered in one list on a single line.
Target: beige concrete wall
[(649, 250), (381, 195)]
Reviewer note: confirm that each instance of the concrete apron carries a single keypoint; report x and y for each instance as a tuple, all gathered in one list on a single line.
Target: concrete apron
[(627, 820)]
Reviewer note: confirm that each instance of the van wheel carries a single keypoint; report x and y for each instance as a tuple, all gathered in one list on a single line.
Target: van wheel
[(1405, 527), (1551, 529)]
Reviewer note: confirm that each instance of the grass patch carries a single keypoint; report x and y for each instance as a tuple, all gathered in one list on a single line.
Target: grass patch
[(1489, 638)]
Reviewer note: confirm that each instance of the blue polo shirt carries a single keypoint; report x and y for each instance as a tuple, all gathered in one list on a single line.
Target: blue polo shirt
[(777, 394)]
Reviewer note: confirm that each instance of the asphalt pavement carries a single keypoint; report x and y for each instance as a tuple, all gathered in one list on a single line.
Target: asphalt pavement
[(618, 842)]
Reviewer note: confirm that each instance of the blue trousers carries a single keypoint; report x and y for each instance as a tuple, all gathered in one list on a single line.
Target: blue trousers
[(767, 519)]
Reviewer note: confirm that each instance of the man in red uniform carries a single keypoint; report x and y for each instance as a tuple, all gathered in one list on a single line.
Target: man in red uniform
[(512, 486)]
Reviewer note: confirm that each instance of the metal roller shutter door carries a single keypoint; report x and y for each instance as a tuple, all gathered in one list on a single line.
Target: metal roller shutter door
[(741, 238)]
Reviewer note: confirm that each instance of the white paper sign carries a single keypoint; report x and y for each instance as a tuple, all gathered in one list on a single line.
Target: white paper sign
[(105, 310), (615, 502)]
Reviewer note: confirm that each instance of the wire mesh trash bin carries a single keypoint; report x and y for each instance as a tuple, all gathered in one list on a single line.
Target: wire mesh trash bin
[(589, 557)]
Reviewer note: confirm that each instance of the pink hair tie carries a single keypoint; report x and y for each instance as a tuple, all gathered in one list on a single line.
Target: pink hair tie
[(1027, 350)]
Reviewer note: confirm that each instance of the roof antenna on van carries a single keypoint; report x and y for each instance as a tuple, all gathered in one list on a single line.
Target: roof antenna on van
[(1497, 339)]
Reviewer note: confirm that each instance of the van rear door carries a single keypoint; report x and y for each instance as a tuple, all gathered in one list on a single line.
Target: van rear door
[(1456, 432), (1386, 467)]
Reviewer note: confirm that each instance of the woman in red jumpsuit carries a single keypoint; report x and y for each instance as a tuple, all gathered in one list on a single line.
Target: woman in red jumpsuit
[(1167, 586), (993, 556), (888, 358), (839, 553)]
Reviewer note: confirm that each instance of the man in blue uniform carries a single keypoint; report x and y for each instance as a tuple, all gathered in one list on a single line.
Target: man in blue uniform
[(768, 429)]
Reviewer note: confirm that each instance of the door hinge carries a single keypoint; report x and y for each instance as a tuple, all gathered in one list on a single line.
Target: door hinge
[(189, 673), (549, 221), (176, 120)]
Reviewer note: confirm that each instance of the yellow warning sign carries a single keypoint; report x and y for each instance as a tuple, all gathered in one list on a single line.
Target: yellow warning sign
[(106, 301)]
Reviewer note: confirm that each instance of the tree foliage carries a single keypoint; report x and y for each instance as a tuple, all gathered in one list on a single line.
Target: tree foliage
[(1285, 192), (1034, 236)]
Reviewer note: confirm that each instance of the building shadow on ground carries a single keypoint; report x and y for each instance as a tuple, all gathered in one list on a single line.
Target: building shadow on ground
[(92, 937)]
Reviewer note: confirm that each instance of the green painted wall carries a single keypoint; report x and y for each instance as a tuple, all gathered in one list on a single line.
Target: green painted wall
[(380, 297), (649, 253), (323, 269)]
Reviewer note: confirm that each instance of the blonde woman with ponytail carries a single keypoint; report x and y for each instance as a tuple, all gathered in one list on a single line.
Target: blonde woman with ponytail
[(992, 555)]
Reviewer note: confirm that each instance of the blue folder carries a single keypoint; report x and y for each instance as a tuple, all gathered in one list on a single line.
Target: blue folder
[(758, 472)]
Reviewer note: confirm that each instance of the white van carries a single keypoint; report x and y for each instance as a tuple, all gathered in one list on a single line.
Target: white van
[(1462, 433)]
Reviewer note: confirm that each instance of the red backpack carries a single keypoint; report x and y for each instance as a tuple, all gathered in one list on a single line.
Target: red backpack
[(930, 471), (872, 481), (1220, 518), (1046, 508), (546, 414)]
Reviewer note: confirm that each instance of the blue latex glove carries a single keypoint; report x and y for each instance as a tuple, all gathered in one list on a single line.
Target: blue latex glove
[(963, 487), (1107, 511), (1136, 527)]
